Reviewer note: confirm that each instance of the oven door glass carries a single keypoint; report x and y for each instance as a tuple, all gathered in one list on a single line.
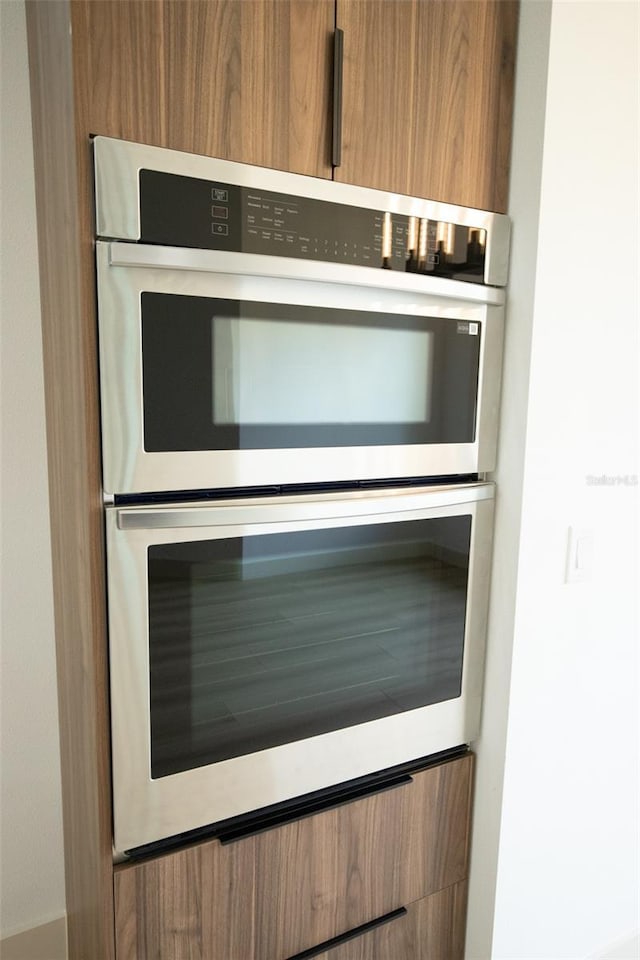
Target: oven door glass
[(261, 640), (222, 374)]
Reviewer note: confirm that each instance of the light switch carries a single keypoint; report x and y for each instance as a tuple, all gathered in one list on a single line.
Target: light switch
[(579, 555)]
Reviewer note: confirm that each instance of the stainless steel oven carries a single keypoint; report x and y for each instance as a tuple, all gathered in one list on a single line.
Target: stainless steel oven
[(299, 386), (265, 648), (259, 328)]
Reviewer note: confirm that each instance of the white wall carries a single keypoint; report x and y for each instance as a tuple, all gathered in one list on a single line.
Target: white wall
[(32, 887), (568, 856)]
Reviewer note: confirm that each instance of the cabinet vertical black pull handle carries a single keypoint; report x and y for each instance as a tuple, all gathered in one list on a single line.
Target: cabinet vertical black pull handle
[(338, 52), (350, 935)]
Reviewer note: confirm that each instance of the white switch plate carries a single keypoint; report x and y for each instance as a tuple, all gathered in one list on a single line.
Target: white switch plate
[(579, 555)]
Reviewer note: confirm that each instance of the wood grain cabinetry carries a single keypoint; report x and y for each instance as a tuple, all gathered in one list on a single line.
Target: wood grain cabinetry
[(428, 97), (430, 929), (275, 894), (464, 102), (427, 86), (246, 80)]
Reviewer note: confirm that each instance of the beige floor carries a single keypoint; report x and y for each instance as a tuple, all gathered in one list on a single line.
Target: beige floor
[(48, 942)]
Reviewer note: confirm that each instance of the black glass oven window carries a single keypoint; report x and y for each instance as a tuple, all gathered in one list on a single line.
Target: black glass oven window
[(263, 640), (233, 375)]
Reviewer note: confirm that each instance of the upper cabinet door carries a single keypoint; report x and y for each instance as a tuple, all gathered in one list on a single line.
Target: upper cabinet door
[(464, 101), (378, 78), (428, 97), (427, 86), (246, 80)]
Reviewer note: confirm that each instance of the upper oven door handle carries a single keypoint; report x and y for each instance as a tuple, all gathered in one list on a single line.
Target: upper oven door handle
[(360, 503), (150, 256), (124, 254)]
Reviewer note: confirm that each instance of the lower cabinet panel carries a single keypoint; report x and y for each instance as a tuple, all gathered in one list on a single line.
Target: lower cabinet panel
[(284, 891), (431, 929)]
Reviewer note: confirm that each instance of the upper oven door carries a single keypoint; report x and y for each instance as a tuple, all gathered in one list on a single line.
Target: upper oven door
[(213, 378)]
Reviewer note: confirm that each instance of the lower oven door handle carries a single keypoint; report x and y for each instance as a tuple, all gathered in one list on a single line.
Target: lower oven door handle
[(319, 507)]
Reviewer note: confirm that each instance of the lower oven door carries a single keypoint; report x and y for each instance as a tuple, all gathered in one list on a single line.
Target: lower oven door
[(262, 649)]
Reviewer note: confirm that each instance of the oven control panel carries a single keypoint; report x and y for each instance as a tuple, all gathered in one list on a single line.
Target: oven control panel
[(185, 211)]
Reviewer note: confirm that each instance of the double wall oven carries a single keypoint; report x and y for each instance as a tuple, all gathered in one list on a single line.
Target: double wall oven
[(299, 387)]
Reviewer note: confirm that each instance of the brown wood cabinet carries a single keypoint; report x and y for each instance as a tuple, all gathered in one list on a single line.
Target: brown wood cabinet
[(247, 80), (428, 97), (427, 86), (431, 929), (275, 894)]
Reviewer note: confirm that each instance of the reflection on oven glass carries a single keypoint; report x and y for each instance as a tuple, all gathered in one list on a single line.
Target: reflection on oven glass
[(335, 374), (265, 640)]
